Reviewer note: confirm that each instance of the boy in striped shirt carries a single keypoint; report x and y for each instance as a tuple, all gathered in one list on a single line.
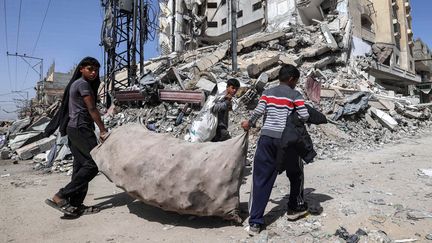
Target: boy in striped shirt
[(276, 104)]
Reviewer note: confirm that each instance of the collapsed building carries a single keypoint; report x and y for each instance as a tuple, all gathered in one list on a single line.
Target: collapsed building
[(346, 74), (199, 23), (423, 57), (51, 88)]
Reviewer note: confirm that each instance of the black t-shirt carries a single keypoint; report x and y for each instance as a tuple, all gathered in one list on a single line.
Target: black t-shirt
[(78, 112)]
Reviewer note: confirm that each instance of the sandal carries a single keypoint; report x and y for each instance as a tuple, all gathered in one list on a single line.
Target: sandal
[(66, 216), (63, 206), (86, 210)]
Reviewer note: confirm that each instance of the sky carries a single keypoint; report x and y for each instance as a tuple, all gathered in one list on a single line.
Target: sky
[(71, 31)]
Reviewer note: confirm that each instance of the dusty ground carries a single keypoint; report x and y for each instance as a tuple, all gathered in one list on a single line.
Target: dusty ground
[(372, 190)]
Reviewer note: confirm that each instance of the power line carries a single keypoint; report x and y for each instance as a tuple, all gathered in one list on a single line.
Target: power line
[(10, 93), (17, 42), (7, 45), (40, 30), (37, 40)]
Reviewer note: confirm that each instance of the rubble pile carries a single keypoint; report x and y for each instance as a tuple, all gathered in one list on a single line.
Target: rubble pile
[(329, 81), (362, 114), (24, 140)]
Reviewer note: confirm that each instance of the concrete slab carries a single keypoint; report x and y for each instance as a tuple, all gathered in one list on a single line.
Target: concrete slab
[(39, 125), (372, 123), (259, 65), (331, 42), (205, 85), (30, 150), (22, 139), (18, 125), (207, 61), (384, 118), (273, 73), (257, 38)]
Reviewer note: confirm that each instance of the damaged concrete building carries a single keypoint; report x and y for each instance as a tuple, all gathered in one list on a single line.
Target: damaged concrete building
[(331, 42), (200, 23), (209, 22), (390, 41), (423, 66), (52, 87)]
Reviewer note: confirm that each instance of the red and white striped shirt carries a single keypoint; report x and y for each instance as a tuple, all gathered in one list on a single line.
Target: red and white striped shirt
[(276, 104)]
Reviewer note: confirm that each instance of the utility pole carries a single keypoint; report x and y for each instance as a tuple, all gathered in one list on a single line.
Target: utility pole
[(124, 32), (234, 35), (133, 48), (25, 57)]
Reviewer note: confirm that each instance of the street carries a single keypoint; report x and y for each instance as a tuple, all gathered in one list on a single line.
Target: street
[(371, 190)]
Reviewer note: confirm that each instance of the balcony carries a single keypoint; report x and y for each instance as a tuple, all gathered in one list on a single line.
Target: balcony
[(409, 32), (409, 16), (394, 74), (367, 34), (423, 61), (423, 65), (407, 5)]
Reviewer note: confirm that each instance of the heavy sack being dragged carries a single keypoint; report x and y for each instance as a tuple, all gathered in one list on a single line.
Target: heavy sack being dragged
[(189, 178)]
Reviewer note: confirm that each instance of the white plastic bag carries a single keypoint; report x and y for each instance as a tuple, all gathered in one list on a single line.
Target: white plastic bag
[(204, 126)]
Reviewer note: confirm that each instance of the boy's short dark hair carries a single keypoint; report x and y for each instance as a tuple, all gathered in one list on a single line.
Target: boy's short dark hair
[(233, 82), (288, 71)]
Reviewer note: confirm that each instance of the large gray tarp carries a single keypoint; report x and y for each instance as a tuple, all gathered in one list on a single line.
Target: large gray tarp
[(189, 178)]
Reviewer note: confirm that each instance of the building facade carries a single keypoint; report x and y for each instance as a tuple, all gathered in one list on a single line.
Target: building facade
[(198, 23), (52, 87), (423, 66), (383, 27)]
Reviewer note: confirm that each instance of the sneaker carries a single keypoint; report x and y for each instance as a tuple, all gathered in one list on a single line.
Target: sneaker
[(254, 229), (298, 212)]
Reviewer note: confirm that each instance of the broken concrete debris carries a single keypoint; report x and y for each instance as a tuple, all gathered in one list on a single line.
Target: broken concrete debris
[(384, 118), (28, 151), (366, 115), (354, 238), (418, 215), (255, 69), (331, 42)]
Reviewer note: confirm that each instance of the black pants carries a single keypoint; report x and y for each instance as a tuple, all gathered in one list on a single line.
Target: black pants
[(264, 175), (295, 174), (81, 141), (222, 134)]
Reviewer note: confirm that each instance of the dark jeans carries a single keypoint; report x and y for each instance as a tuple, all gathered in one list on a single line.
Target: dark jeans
[(264, 175), (81, 141)]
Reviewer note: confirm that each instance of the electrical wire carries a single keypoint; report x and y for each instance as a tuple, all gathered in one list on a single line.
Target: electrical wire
[(37, 41), (7, 45), (152, 25), (42, 25), (17, 42), (10, 93)]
